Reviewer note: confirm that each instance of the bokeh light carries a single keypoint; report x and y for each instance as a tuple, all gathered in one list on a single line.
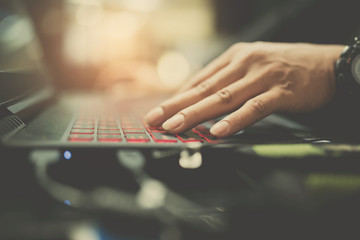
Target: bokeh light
[(173, 68)]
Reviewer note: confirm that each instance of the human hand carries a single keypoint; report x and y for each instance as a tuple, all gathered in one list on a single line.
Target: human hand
[(251, 81)]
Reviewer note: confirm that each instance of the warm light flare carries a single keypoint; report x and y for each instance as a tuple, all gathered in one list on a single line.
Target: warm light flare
[(141, 5), (124, 25), (106, 37), (101, 34), (89, 15), (173, 68)]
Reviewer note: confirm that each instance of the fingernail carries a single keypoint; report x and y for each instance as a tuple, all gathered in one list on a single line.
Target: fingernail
[(174, 122), (154, 116), (220, 129)]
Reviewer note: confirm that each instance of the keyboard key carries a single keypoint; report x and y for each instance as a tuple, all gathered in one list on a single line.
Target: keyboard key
[(137, 137), (205, 133), (152, 129), (101, 124), (80, 138), (190, 136), (109, 132), (163, 137), (211, 138), (202, 130), (109, 138), (131, 125), (108, 128), (134, 130), (82, 131)]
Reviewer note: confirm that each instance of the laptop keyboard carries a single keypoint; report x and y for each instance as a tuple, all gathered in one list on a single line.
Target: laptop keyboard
[(114, 129)]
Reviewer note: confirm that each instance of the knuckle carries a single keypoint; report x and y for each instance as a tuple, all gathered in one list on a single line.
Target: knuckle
[(253, 55), (204, 89), (279, 74), (279, 69), (256, 104), (224, 95), (288, 86), (257, 54), (274, 72)]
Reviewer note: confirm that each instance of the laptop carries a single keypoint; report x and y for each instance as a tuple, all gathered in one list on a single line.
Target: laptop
[(35, 114)]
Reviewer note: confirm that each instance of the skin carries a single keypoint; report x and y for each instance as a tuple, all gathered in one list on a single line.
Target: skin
[(248, 82)]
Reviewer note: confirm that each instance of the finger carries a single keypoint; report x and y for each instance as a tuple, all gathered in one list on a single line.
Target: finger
[(252, 111), (173, 105), (212, 68), (223, 101)]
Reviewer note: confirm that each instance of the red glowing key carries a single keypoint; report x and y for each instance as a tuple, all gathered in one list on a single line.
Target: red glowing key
[(163, 137), (80, 138), (81, 131), (109, 138), (190, 136), (137, 137)]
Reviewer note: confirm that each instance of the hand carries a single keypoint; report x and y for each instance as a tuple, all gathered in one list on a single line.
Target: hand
[(251, 81)]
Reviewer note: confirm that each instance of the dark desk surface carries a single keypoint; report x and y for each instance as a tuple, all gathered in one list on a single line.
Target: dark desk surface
[(250, 195)]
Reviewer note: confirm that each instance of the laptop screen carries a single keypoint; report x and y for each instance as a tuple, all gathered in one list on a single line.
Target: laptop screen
[(20, 53)]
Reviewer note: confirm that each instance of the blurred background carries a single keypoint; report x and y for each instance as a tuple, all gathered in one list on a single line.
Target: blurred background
[(143, 46)]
